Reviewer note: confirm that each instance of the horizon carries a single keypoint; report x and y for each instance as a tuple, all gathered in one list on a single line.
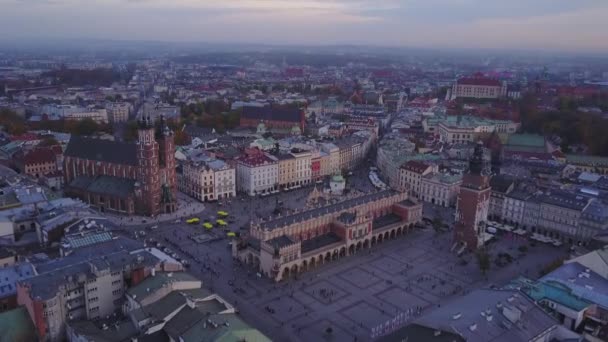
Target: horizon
[(544, 25)]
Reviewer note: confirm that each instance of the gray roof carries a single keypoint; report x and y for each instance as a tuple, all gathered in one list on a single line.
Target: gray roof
[(596, 211), (329, 209), (416, 332), (59, 271), (108, 185), (347, 217), (519, 195), (10, 275), (386, 220), (491, 315), (320, 241), (584, 283), (501, 183), (271, 113), (564, 199), (280, 241), (102, 150)]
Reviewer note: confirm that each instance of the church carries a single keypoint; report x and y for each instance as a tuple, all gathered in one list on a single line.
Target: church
[(124, 177)]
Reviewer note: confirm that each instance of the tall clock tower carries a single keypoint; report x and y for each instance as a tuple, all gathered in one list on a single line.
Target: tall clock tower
[(473, 204)]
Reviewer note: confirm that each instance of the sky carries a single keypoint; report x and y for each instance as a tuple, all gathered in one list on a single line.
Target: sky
[(561, 25)]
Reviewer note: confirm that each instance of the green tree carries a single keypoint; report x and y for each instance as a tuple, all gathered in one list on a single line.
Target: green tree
[(483, 261), (12, 122), (85, 127), (48, 141), (437, 224)]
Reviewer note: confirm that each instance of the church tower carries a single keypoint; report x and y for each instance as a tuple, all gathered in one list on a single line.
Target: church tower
[(148, 168), (168, 177), (473, 204)]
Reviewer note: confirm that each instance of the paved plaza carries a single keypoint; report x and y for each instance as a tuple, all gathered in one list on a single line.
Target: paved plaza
[(354, 294), (345, 299)]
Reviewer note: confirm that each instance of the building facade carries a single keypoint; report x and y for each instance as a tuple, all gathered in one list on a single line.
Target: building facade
[(118, 112), (285, 246), (208, 181), (257, 173), (440, 189), (472, 204), (100, 116), (80, 291), (480, 87), (410, 176), (273, 117)]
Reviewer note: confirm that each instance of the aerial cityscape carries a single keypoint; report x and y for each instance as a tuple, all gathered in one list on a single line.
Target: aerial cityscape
[(303, 171)]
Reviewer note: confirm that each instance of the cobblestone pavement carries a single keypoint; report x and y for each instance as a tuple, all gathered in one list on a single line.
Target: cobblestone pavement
[(351, 295), (354, 294)]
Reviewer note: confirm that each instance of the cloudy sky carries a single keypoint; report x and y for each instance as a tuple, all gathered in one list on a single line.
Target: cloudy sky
[(522, 24)]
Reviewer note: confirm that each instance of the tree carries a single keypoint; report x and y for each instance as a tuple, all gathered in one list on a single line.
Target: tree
[(483, 260), (329, 330), (437, 224), (12, 122), (48, 141), (182, 138), (86, 127)]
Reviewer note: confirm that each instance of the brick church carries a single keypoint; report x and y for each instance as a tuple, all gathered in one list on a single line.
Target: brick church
[(124, 177)]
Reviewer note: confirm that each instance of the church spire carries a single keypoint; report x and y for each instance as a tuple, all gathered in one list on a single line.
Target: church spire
[(476, 161)]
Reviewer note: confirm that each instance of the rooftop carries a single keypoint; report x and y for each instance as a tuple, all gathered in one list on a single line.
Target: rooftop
[(153, 283), (69, 269), (415, 166), (110, 185), (279, 222), (564, 199), (529, 140), (386, 220), (416, 332), (319, 241), (10, 275), (587, 160), (272, 113), (102, 150), (16, 325), (584, 283), (281, 241), (491, 315)]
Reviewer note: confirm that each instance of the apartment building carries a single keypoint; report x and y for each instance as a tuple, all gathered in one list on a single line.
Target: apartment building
[(440, 189), (458, 129), (295, 169), (257, 172), (410, 176), (501, 185), (207, 181), (39, 161), (118, 112), (480, 87), (97, 115), (77, 287), (333, 152)]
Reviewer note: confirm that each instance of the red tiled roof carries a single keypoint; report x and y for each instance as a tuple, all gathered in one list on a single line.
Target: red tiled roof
[(39, 156), (479, 79), (415, 166)]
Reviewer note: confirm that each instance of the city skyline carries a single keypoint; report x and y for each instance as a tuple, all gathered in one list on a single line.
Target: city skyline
[(543, 25)]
